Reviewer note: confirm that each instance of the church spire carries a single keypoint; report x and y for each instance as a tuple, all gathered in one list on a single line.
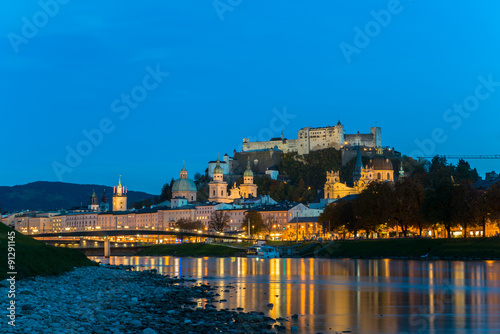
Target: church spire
[(356, 174), (218, 169), (248, 172), (401, 171), (184, 172)]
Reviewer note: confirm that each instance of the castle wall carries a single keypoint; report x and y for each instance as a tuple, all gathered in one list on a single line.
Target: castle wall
[(284, 145), (260, 161), (363, 139), (314, 139)]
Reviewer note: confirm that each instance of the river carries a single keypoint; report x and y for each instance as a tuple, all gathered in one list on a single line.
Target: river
[(346, 295)]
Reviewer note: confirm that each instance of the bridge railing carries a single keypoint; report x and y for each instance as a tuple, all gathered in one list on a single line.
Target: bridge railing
[(151, 232)]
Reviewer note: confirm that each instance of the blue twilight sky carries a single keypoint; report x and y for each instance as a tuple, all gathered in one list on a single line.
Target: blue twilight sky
[(237, 69)]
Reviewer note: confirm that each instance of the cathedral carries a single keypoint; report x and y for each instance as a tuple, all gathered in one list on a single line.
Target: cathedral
[(218, 187), (184, 187), (378, 169)]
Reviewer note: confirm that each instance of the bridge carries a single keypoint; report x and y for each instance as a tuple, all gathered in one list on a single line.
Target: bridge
[(126, 232), (106, 234)]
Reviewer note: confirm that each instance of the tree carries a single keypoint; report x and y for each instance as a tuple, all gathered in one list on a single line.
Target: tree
[(340, 217), (493, 202), (439, 171), (256, 222), (462, 211), (198, 177), (463, 172), (186, 224), (407, 201), (146, 203), (373, 206), (480, 208), (166, 191), (437, 208), (268, 225), (218, 221)]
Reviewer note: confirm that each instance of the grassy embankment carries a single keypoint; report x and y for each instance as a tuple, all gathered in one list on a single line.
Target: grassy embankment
[(34, 257), (192, 249), (477, 248)]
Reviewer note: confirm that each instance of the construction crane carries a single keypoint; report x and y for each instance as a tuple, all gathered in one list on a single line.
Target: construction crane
[(465, 156)]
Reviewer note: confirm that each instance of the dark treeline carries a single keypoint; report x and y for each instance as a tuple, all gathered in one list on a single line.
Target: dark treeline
[(434, 194)]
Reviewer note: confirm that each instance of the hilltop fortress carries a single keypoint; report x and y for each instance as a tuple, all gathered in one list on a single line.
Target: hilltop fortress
[(314, 139)]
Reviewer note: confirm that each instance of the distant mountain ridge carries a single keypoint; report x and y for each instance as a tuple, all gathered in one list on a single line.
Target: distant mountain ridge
[(44, 195)]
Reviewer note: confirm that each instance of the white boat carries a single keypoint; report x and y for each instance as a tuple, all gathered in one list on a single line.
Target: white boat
[(264, 252)]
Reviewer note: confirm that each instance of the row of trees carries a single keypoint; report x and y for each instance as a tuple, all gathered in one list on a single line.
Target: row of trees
[(406, 205), (219, 221)]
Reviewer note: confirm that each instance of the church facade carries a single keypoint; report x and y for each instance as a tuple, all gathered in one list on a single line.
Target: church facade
[(378, 169), (218, 187)]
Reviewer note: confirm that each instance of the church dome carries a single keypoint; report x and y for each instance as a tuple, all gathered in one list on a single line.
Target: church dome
[(381, 163), (218, 169), (184, 185), (248, 173)]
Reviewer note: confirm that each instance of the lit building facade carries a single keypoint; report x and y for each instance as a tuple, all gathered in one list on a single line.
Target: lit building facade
[(119, 197), (184, 187), (379, 169), (218, 187)]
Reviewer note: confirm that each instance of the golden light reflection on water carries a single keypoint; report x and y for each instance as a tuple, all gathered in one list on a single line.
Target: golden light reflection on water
[(364, 296)]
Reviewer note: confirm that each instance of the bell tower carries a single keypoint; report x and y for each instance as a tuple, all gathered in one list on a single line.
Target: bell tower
[(218, 188), (94, 203), (119, 197), (248, 188)]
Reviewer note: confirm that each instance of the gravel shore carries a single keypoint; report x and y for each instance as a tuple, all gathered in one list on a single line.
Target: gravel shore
[(108, 299)]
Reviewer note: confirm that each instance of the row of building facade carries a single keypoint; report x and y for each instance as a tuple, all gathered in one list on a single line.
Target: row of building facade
[(284, 217)]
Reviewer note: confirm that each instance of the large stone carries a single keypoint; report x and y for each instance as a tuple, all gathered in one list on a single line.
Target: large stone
[(136, 323)]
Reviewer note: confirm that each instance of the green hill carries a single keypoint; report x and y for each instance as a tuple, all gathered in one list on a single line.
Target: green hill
[(44, 195), (33, 257)]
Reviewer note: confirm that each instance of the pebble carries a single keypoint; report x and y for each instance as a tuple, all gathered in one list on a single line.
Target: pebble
[(136, 323), (99, 300)]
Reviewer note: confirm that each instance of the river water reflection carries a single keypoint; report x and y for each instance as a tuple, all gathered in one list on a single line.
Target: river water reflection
[(361, 296)]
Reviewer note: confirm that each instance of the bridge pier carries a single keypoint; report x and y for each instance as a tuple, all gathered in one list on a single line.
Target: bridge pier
[(81, 242), (106, 247)]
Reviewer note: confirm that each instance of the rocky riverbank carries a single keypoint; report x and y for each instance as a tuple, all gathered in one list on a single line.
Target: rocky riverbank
[(109, 299)]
